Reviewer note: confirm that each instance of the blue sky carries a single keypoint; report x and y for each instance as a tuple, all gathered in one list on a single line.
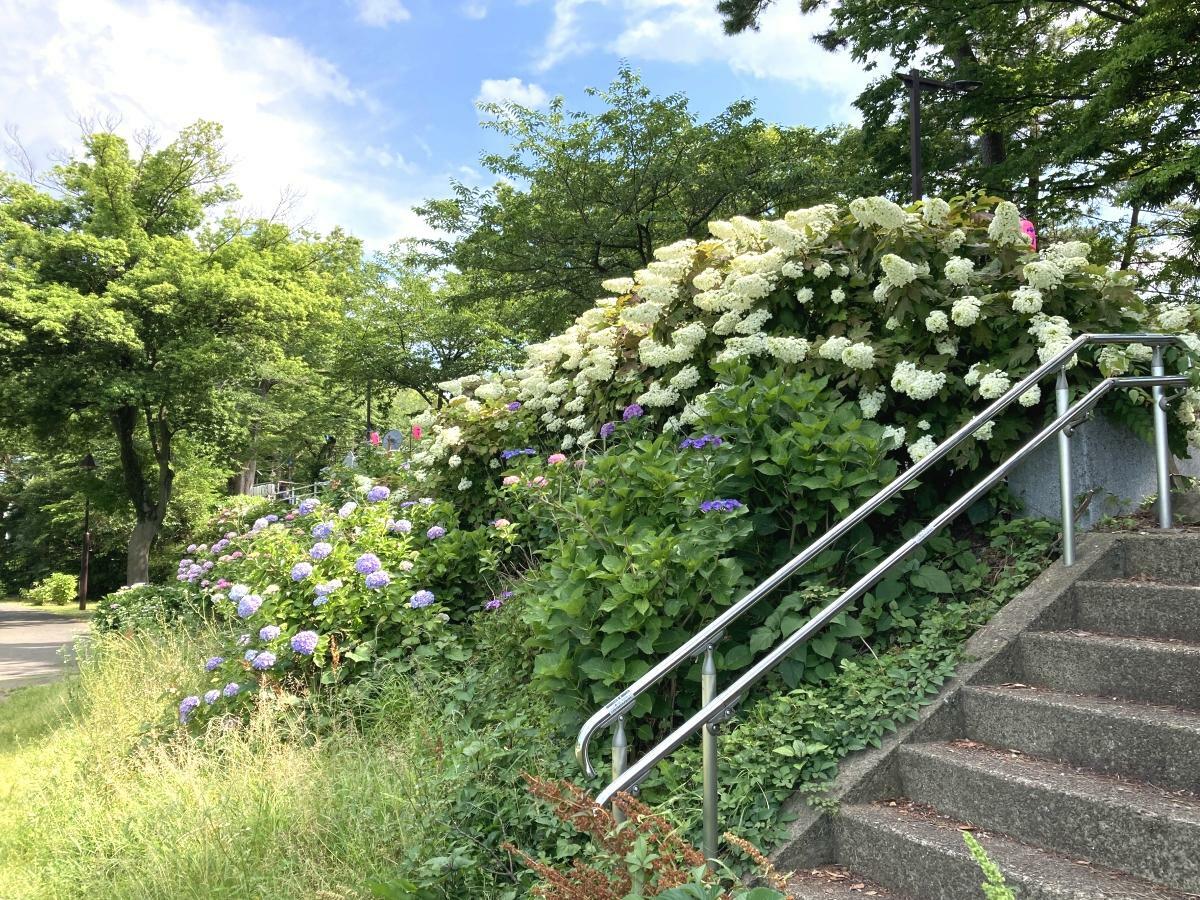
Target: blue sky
[(361, 108)]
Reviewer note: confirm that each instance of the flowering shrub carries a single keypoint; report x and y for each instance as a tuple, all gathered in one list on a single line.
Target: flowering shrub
[(146, 605), (920, 314), (58, 589)]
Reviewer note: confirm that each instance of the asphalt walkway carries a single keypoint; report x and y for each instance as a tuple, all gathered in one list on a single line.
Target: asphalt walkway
[(32, 644)]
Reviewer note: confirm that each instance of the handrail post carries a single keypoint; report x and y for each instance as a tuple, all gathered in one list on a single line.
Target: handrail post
[(1162, 452), (708, 691), (620, 761), (1062, 398)]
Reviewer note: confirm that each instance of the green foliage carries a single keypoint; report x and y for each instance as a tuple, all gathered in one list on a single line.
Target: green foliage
[(146, 606), (994, 888), (58, 589), (586, 195)]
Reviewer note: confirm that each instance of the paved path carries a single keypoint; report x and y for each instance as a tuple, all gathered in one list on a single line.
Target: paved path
[(30, 641)]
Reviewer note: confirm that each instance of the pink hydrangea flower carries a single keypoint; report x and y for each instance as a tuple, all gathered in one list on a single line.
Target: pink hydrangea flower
[(556, 458), (502, 523), (510, 480), (539, 481)]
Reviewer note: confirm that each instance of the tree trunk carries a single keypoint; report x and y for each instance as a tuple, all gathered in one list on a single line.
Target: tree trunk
[(137, 568), (1131, 238)]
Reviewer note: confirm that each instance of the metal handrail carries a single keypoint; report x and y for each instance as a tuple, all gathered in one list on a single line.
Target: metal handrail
[(716, 708)]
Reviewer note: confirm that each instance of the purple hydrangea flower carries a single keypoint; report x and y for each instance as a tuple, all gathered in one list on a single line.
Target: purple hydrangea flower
[(378, 494), (378, 580), (608, 429), (509, 454), (232, 689), (367, 563), (321, 601), (720, 505), (494, 604), (191, 548), (514, 406), (268, 632), (249, 605), (701, 442), (328, 587), (237, 592), (263, 661), (304, 642), (243, 640), (187, 706), (272, 518), (421, 599), (307, 506), (301, 570), (230, 535), (249, 655), (213, 662), (435, 532), (260, 524), (347, 509), (322, 530), (632, 411), (211, 697), (400, 526), (320, 550)]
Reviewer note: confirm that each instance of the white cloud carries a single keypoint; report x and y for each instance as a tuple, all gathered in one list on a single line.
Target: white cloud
[(381, 13), (690, 32), (475, 9), (162, 65), (511, 90)]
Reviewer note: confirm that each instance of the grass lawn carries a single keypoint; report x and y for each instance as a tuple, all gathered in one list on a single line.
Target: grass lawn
[(67, 611)]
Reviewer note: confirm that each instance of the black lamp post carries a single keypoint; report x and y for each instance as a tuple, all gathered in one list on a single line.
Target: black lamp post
[(916, 84), (88, 464)]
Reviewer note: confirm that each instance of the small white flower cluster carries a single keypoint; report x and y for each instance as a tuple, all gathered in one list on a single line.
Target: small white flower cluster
[(871, 402), (915, 382), (878, 212), (897, 271), (1043, 274), (965, 311), (1027, 300), (1005, 227), (991, 383), (959, 270)]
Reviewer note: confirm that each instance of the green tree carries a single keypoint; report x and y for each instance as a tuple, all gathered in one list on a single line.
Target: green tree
[(121, 308), (584, 196)]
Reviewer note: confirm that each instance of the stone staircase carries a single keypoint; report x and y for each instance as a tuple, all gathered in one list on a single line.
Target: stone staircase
[(1069, 746)]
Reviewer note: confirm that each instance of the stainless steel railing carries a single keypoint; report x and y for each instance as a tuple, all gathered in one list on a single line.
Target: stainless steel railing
[(716, 708)]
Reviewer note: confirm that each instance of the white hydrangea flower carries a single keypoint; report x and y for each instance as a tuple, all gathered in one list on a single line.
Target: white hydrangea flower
[(837, 295), (1139, 352), (892, 323), (1027, 300), (804, 295), (1005, 227), (680, 250), (464, 484), (959, 270), (792, 269), (880, 294), (924, 425), (935, 211), (578, 423), (897, 271), (641, 314), (822, 270), (618, 285), (659, 395), (937, 322), (740, 347), (895, 434), (489, 391), (951, 242), (454, 461), (947, 346), (878, 212), (728, 323), (787, 349), (1173, 317), (984, 431), (686, 378), (833, 346), (922, 447), (752, 287), (1042, 274), (871, 402), (859, 356), (568, 442), (754, 322), (920, 384), (965, 311), (708, 280), (993, 384), (843, 270), (1031, 397)]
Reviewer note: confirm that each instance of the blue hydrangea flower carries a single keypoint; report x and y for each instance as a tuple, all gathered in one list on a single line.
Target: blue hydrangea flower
[(307, 506), (304, 642), (320, 550), (248, 606), (321, 601), (187, 706), (367, 563), (494, 604), (720, 505), (232, 689), (701, 442), (322, 530), (263, 661), (213, 662), (400, 526), (378, 494), (268, 632), (377, 580), (421, 599), (211, 697), (237, 592), (514, 406), (272, 518), (301, 570), (632, 411), (608, 429), (347, 509), (435, 532), (249, 655)]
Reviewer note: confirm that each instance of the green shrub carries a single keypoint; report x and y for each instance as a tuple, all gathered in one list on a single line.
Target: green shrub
[(141, 606), (58, 589)]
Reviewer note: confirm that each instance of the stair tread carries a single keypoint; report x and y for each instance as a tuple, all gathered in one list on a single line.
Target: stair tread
[(832, 882), (1135, 642), (1022, 864), (1156, 714), (1149, 583), (1064, 779)]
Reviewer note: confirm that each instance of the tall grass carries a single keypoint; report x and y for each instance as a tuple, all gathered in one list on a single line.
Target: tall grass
[(92, 806)]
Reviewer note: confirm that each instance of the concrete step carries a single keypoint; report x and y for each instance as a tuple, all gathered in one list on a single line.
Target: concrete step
[(836, 883), (1139, 669), (1138, 609), (1158, 744), (1149, 832), (1171, 559), (921, 852)]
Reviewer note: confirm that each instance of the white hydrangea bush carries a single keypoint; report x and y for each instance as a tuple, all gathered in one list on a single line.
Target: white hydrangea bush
[(921, 314)]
